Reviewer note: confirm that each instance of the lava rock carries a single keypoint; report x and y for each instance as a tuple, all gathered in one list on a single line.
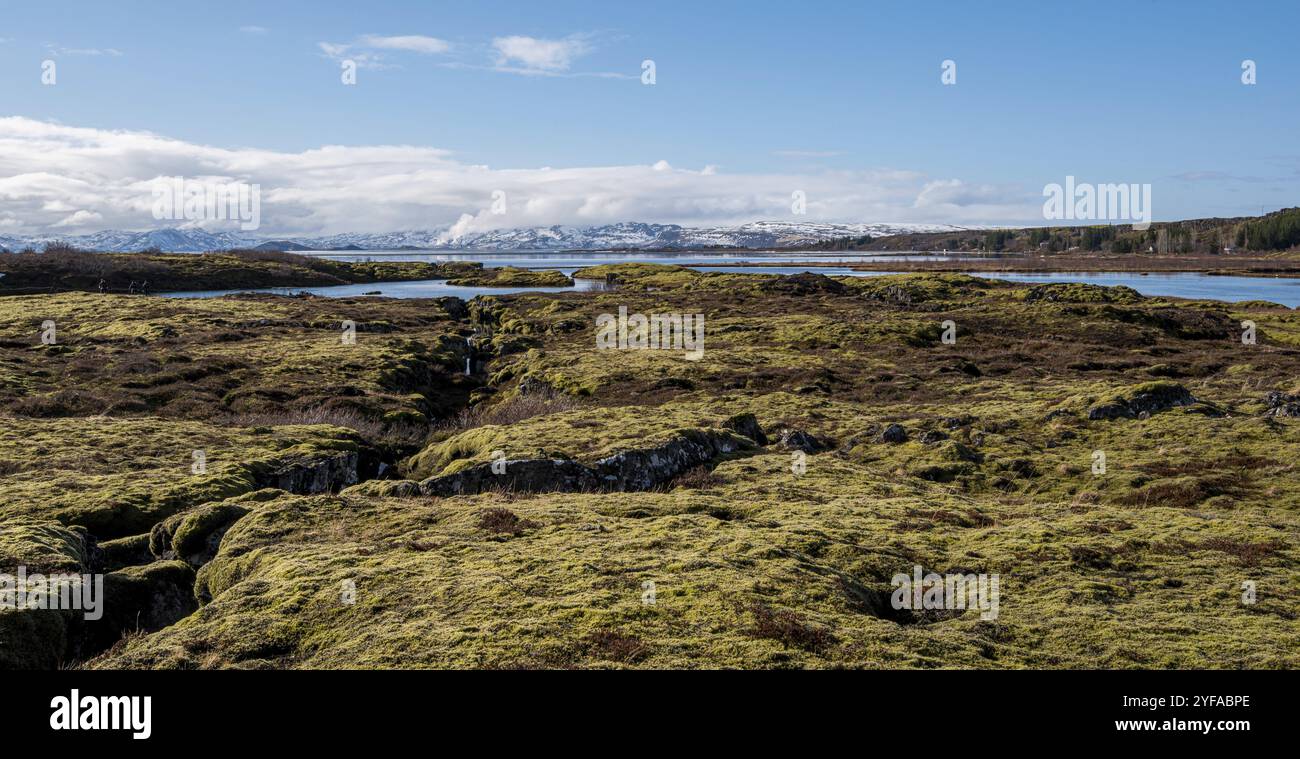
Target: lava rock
[(893, 434), (1145, 399), (747, 425), (931, 437), (1282, 404), (798, 440), (806, 283)]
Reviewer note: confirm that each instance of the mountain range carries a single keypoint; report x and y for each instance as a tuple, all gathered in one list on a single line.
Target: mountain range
[(761, 234)]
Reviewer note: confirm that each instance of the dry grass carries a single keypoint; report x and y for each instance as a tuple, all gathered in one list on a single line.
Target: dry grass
[(504, 522), (515, 409), (789, 628), (403, 433)]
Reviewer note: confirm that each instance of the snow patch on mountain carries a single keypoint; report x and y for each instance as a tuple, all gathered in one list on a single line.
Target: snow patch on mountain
[(759, 234)]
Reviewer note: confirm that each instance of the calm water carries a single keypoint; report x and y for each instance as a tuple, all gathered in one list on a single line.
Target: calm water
[(1181, 285), (425, 288), (1284, 290)]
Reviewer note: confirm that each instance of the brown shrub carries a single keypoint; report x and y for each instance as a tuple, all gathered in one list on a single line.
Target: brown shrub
[(504, 522), (1184, 494), (402, 433), (695, 479), (515, 409), (789, 628), (1248, 553), (1239, 461), (615, 646)]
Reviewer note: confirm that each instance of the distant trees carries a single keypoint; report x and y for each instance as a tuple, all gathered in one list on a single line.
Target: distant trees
[(1277, 231), (997, 239)]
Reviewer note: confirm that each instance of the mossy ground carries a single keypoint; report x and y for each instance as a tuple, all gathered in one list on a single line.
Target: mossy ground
[(762, 563), (237, 355), (1082, 585), (512, 276), (119, 477), (64, 269)]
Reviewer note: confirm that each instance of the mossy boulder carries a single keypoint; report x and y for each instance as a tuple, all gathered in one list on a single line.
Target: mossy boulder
[(1145, 399), (1078, 292)]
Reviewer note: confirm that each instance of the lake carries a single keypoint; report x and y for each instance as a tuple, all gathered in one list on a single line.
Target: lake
[(1283, 290)]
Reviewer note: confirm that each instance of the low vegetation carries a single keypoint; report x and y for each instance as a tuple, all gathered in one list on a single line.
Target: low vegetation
[(60, 268), (1124, 464)]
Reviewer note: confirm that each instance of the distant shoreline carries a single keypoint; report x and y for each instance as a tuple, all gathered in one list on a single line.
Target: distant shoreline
[(951, 261)]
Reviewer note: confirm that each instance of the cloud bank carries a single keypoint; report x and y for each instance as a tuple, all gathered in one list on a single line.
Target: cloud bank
[(56, 178)]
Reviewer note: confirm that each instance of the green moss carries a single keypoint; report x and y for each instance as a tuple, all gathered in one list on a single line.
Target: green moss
[(196, 528), (41, 547), (513, 276), (118, 477), (282, 359), (771, 559)]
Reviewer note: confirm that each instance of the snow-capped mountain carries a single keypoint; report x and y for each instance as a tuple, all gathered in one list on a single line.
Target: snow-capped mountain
[(182, 240), (761, 234)]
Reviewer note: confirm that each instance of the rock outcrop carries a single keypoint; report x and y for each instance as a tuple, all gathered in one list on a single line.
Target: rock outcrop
[(634, 470), (141, 599), (747, 425), (311, 475), (1150, 398), (893, 434), (1282, 404), (798, 440)]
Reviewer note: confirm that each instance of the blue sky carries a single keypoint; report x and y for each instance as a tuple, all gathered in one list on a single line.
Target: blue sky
[(843, 97)]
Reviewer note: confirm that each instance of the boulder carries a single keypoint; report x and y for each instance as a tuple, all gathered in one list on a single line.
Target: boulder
[(1282, 404), (747, 425), (930, 437), (1150, 398), (798, 440), (893, 434)]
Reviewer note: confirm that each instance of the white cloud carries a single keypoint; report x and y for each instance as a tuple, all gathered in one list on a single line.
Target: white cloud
[(254, 29), (410, 42), (954, 192), (340, 52), (516, 54), (362, 51), (332, 49), (56, 50), (79, 219), (532, 54), (55, 176)]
